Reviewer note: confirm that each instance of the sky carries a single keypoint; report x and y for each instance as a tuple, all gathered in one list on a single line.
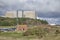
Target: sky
[(46, 9)]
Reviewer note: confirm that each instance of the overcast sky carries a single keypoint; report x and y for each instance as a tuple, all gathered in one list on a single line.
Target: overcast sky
[(46, 9)]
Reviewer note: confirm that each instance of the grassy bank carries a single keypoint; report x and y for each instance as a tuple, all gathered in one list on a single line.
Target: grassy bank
[(33, 33)]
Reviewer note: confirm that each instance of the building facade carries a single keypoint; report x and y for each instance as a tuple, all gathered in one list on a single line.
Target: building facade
[(13, 14), (29, 14), (24, 14)]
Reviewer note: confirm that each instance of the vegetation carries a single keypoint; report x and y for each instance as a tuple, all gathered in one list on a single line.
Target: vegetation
[(41, 32), (36, 33), (28, 21)]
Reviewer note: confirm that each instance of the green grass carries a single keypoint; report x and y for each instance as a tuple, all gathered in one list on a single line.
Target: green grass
[(18, 36), (15, 36), (7, 26), (11, 34)]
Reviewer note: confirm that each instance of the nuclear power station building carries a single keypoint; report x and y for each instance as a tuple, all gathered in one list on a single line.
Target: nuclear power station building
[(24, 14)]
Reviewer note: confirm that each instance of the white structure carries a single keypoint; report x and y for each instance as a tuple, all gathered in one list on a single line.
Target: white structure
[(52, 24), (25, 14), (19, 14), (29, 14), (10, 14)]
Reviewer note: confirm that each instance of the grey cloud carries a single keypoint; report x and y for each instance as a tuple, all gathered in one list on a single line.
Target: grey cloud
[(1, 13), (52, 20), (40, 5), (45, 5), (49, 14)]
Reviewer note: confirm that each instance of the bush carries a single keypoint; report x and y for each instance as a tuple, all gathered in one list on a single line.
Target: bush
[(40, 32), (13, 21), (57, 32)]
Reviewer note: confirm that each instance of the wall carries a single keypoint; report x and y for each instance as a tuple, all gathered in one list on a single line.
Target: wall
[(29, 14), (26, 14)]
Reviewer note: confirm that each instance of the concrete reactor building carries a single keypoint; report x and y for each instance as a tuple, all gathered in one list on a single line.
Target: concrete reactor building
[(24, 14)]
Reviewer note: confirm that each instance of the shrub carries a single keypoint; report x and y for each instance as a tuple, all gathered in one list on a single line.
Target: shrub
[(40, 32), (13, 21), (57, 32)]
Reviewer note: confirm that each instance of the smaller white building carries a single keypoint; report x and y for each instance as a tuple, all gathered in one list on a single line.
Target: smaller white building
[(52, 24)]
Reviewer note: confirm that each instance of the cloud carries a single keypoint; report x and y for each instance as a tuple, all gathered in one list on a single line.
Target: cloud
[(49, 14), (38, 5), (1, 13), (44, 5), (51, 20), (22, 1)]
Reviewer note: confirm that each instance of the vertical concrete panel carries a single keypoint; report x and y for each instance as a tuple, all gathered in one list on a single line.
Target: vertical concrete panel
[(20, 14)]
